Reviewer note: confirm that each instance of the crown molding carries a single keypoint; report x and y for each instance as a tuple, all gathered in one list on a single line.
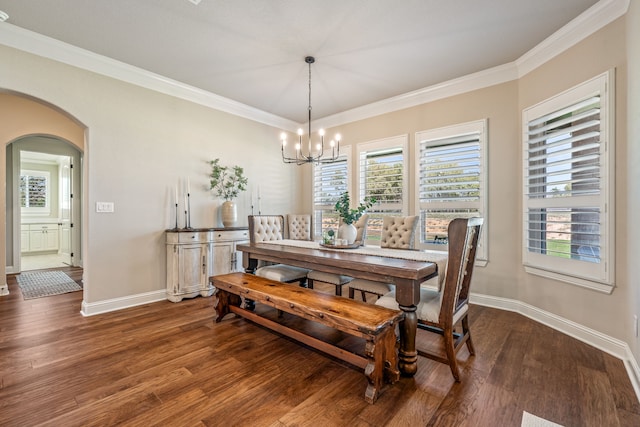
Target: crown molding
[(47, 47), (596, 17), (479, 80), (593, 19)]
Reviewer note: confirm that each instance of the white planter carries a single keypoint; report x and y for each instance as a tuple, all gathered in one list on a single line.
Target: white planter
[(229, 213), (348, 232)]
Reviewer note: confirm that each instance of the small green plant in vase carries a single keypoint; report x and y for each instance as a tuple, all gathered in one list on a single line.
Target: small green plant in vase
[(349, 215), (329, 237)]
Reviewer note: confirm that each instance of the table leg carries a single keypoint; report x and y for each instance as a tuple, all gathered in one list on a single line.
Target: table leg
[(408, 355)]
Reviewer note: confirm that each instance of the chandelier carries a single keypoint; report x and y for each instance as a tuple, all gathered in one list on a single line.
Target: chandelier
[(309, 155)]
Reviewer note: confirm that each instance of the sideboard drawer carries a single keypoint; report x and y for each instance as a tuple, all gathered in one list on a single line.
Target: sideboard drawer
[(194, 237), (230, 235)]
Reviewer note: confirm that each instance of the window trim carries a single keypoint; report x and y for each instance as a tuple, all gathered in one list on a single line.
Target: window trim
[(549, 267), (480, 127), (345, 152), (401, 141), (37, 211)]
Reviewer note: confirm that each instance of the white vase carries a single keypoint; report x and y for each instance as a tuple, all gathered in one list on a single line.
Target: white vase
[(348, 232), (229, 213)]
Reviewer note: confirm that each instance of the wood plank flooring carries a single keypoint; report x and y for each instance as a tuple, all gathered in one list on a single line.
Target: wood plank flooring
[(169, 364)]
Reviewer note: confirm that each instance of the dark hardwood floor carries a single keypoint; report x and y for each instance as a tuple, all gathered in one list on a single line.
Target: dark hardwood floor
[(169, 364)]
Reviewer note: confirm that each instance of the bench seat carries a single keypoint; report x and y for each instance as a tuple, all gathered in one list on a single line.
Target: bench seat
[(375, 324)]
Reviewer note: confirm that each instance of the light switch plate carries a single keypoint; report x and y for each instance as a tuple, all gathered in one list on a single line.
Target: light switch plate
[(104, 206)]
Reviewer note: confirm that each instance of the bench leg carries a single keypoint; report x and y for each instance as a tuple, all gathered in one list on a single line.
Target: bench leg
[(383, 363), (225, 299), (391, 370)]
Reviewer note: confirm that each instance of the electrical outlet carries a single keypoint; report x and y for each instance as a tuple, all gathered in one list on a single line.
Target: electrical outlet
[(635, 325)]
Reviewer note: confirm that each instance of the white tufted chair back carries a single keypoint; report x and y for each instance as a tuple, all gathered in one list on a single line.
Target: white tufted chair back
[(299, 227), (398, 232), (264, 228), (361, 226)]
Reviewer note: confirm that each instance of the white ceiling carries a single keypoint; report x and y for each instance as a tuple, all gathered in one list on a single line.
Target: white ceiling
[(252, 51)]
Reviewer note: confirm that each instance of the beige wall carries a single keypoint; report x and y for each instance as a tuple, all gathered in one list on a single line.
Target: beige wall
[(502, 105), (498, 104), (632, 193), (602, 51), (139, 145)]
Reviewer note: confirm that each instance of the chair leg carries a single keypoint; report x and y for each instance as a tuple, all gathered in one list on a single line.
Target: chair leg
[(451, 353), (339, 290), (364, 296), (467, 332), (351, 293), (310, 283)]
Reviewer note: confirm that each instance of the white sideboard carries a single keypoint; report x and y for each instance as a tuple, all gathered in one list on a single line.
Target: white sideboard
[(195, 255)]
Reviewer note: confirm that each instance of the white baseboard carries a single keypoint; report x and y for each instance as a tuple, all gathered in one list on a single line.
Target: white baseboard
[(91, 309), (613, 346), (4, 290)]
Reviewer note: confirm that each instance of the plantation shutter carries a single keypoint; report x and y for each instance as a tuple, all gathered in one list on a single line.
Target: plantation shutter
[(563, 176), (330, 180), (568, 186), (452, 181), (450, 169), (381, 177)]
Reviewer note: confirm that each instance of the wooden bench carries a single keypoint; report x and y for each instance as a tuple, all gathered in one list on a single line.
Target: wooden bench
[(373, 323)]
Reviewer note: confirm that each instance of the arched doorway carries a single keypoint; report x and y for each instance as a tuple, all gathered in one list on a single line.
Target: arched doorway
[(43, 203), (24, 116)]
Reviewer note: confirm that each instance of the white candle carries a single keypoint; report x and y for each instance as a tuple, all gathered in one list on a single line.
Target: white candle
[(188, 186), (175, 195), (259, 210)]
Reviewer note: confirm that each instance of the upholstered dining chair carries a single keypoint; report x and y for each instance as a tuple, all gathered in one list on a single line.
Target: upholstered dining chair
[(440, 312), (299, 227), (263, 228), (398, 232), (339, 280)]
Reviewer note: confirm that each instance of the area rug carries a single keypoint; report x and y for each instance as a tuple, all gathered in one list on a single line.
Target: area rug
[(530, 420), (36, 284)]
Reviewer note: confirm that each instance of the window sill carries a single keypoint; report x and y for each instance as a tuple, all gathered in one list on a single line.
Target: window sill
[(577, 281)]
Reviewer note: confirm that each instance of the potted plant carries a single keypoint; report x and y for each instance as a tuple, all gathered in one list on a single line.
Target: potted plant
[(227, 182), (348, 215)]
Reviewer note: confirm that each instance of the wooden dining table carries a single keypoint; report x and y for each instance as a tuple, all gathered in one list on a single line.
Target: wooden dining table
[(405, 274)]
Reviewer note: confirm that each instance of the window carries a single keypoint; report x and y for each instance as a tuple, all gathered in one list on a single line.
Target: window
[(382, 174), (34, 192), (569, 186), (452, 183), (330, 180)]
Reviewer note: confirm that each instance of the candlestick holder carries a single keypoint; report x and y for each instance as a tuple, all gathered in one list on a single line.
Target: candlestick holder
[(187, 213), (176, 227)]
